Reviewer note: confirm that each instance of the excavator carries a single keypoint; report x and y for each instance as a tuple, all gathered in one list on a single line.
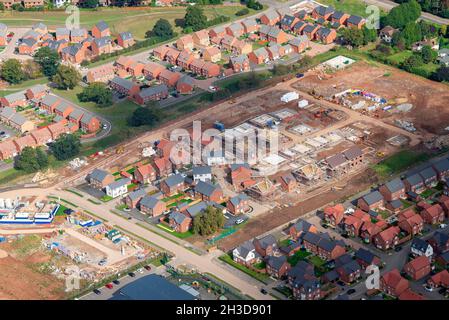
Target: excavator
[(119, 150)]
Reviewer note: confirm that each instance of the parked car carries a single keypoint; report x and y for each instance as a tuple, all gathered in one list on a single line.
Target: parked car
[(126, 209), (442, 291), (350, 291), (116, 282), (428, 288), (263, 291), (109, 286), (132, 274), (97, 292), (443, 225), (147, 268), (239, 221), (299, 75)]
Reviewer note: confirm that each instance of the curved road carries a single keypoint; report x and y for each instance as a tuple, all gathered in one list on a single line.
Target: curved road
[(205, 263)]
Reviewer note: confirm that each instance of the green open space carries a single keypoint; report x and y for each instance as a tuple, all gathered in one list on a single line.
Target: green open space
[(355, 7), (298, 256), (136, 20), (399, 162)]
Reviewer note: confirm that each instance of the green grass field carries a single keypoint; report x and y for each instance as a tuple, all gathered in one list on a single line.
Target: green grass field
[(262, 277), (356, 7), (399, 162), (399, 57), (135, 20)]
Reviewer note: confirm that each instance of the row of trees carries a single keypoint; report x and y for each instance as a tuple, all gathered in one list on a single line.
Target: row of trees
[(437, 7), (98, 93), (35, 159), (400, 16), (358, 37)]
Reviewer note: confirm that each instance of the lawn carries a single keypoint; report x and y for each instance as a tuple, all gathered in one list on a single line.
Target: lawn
[(298, 256), (173, 197), (356, 7), (60, 211), (399, 57), (262, 277), (136, 20), (179, 235), (427, 193), (399, 162), (316, 261), (22, 86)]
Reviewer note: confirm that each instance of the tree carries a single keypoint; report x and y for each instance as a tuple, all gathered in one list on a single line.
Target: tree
[(96, 92), (48, 59), (66, 77), (254, 4), (66, 146), (399, 16), (398, 41), (12, 71), (31, 69), (412, 62), (242, 12), (208, 222), (2, 6), (161, 29), (353, 37), (411, 34), (428, 55), (144, 116), (31, 160), (369, 35), (442, 74), (195, 18)]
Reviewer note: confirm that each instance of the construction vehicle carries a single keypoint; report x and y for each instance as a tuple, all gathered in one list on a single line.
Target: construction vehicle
[(232, 101), (120, 150), (380, 154)]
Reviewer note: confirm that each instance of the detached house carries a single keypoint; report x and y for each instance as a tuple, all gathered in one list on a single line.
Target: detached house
[(145, 174), (277, 267), (101, 29), (411, 222), (387, 239), (265, 246), (393, 190), (245, 254), (429, 177), (371, 201), (118, 188), (418, 268), (420, 247), (414, 183), (212, 54), (101, 46), (125, 39), (152, 206), (326, 35), (208, 192), (163, 166), (300, 228), (173, 184), (393, 284), (99, 179), (185, 43), (133, 198), (179, 222), (433, 214), (299, 44), (333, 216), (238, 204)]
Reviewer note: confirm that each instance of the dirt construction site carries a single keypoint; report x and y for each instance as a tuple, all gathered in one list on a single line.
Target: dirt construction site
[(428, 98)]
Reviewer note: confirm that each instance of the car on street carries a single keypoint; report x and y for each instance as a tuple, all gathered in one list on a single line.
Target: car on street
[(140, 270), (263, 291), (147, 268), (428, 288), (397, 249), (350, 291), (132, 274), (109, 286), (116, 282), (442, 291), (239, 221), (443, 225), (97, 292), (129, 218), (105, 126), (299, 75), (212, 88), (126, 209)]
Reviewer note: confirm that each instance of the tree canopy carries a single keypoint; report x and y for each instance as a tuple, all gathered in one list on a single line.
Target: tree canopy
[(144, 116), (31, 160), (195, 18), (66, 146), (48, 59), (96, 92), (162, 29), (66, 77), (208, 222), (12, 71), (399, 16)]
